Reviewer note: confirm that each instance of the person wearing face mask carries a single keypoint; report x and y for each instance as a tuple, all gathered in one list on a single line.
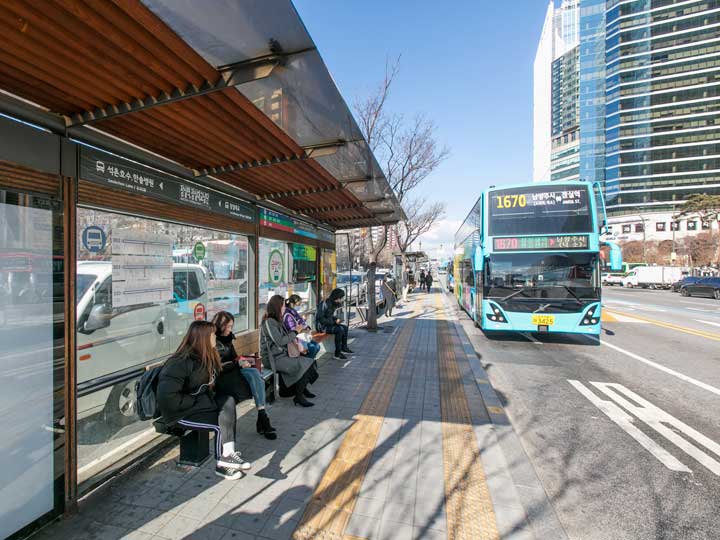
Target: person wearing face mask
[(329, 323)]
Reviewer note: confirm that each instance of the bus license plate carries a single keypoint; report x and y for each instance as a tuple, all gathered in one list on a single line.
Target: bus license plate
[(543, 320)]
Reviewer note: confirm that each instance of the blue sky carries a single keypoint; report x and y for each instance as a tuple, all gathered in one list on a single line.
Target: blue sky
[(467, 65)]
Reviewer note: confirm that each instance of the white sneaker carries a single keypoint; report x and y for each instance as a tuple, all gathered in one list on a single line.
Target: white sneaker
[(234, 461), (228, 474)]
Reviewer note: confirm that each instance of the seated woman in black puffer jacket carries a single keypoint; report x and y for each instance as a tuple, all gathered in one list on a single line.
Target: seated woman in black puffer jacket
[(187, 397), (237, 376)]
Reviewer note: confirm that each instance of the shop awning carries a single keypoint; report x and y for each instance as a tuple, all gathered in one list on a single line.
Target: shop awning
[(234, 91)]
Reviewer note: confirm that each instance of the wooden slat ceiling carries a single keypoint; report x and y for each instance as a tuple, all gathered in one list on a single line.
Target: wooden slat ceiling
[(73, 56)]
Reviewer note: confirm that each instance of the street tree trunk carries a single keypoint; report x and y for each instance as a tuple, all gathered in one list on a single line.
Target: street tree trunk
[(371, 298)]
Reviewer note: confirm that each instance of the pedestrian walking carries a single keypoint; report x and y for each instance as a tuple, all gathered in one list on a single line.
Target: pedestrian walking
[(428, 281), (389, 294)]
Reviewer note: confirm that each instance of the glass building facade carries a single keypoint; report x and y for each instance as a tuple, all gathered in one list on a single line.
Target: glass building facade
[(592, 93), (662, 102), (565, 117)]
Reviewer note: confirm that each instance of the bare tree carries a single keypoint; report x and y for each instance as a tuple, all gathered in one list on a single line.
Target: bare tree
[(373, 124), (420, 218), (409, 153)]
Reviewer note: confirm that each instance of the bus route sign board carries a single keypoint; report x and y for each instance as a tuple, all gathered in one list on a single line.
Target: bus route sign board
[(527, 200), (542, 243), (119, 173)]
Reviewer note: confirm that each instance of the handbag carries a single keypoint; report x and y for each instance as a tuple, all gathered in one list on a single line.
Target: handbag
[(293, 349)]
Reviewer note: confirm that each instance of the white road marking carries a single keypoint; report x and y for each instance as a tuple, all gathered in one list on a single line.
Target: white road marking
[(708, 322), (667, 370), (662, 422), (625, 421), (703, 310)]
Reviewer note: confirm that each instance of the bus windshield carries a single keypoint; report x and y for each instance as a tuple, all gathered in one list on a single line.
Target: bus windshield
[(542, 276), (561, 209)]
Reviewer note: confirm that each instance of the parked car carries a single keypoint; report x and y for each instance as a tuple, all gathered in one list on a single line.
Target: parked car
[(684, 281), (613, 278), (709, 286), (120, 341), (355, 285)]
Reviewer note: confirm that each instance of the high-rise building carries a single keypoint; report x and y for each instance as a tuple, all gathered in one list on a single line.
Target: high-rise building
[(559, 35), (662, 103), (591, 59), (565, 119)]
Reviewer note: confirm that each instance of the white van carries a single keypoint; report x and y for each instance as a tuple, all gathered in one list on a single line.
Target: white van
[(118, 342)]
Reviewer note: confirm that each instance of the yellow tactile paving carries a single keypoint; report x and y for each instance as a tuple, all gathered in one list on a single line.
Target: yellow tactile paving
[(469, 509), (332, 504)]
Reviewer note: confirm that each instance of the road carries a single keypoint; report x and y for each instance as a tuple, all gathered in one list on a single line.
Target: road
[(623, 433)]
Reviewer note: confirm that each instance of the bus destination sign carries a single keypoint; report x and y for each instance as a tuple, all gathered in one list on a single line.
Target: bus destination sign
[(522, 201), (541, 243)]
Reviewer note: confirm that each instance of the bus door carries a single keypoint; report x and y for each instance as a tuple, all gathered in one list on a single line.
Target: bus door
[(479, 268)]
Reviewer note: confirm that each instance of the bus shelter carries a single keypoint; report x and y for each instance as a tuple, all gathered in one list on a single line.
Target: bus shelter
[(160, 161)]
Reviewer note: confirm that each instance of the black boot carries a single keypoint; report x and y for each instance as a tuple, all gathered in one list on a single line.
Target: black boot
[(308, 394), (264, 427)]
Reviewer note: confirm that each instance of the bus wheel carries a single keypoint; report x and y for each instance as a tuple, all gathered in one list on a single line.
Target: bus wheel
[(716, 294)]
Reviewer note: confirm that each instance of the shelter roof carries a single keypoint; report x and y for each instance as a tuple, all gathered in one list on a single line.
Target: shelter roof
[(229, 90)]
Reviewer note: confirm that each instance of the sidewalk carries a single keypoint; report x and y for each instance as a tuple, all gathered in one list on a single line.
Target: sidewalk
[(391, 450)]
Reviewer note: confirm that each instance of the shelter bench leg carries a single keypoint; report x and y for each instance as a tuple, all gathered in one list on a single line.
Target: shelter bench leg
[(194, 448)]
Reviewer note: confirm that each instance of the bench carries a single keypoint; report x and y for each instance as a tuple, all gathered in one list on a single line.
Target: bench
[(195, 445)]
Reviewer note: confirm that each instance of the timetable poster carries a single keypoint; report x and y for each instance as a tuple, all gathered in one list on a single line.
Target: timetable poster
[(142, 268)]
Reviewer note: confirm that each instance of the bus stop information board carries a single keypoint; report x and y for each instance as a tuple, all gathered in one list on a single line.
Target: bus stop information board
[(281, 222), (541, 243), (116, 172)]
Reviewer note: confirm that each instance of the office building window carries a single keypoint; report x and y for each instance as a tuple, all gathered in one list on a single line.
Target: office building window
[(626, 229), (675, 226), (660, 226), (692, 225), (639, 227)]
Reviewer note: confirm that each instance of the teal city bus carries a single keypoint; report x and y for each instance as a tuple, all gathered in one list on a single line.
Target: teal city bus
[(527, 258)]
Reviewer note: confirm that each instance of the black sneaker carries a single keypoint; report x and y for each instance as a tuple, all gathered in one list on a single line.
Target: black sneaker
[(234, 461), (347, 350), (228, 474), (340, 356)]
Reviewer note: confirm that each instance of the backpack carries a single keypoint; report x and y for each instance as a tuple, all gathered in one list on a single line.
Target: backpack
[(146, 403)]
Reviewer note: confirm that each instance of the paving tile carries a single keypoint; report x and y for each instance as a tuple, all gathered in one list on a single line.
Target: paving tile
[(238, 535), (278, 530), (392, 530), (395, 511), (178, 527), (155, 520), (249, 523), (366, 506), (363, 527), (208, 532), (136, 535)]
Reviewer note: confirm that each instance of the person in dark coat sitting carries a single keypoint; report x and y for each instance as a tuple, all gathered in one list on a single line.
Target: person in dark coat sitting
[(327, 322), (186, 396), (296, 372), (237, 377)]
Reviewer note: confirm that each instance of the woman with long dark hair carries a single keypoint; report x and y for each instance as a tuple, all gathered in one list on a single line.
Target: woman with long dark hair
[(186, 396), (237, 374), (295, 372)]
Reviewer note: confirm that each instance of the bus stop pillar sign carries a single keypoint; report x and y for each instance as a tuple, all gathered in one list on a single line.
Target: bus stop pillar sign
[(94, 239)]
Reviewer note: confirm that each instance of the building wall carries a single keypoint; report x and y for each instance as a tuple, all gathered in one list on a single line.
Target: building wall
[(542, 80), (560, 34), (662, 104)]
